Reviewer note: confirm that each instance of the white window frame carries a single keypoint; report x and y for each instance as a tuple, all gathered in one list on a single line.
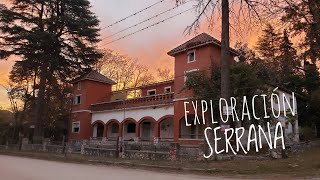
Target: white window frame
[(155, 92), (79, 86), (189, 71), (165, 88), (189, 52), (76, 122), (76, 99)]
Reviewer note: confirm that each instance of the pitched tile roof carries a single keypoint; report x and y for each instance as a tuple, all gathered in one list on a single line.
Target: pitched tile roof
[(200, 40), (94, 76)]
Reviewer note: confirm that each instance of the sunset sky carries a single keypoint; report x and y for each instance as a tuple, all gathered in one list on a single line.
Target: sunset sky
[(149, 46)]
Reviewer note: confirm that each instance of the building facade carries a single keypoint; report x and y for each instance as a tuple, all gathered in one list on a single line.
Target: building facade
[(158, 115)]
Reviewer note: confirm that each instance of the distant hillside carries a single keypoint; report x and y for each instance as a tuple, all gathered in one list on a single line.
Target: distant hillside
[(6, 116)]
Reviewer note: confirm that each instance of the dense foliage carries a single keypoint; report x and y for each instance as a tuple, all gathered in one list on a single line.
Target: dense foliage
[(55, 41)]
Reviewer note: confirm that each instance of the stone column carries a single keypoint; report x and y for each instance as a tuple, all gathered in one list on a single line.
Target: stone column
[(156, 133), (105, 131), (83, 145), (137, 129), (121, 130), (25, 142), (44, 146), (156, 130), (156, 140)]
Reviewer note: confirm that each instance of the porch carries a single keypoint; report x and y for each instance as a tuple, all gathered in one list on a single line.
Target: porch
[(147, 129)]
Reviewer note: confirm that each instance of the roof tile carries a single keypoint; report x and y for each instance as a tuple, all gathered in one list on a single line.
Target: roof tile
[(94, 76), (199, 40)]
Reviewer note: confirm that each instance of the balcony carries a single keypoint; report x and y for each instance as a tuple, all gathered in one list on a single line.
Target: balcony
[(135, 102)]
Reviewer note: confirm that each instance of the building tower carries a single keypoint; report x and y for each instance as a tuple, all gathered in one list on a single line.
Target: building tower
[(88, 89)]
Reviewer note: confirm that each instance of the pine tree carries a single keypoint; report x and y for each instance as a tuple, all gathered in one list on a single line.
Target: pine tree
[(58, 37), (268, 43), (268, 50), (312, 77), (287, 59), (304, 18), (246, 54)]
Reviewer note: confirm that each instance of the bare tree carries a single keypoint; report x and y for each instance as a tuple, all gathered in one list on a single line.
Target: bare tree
[(117, 67), (125, 71), (16, 106), (140, 77), (164, 74)]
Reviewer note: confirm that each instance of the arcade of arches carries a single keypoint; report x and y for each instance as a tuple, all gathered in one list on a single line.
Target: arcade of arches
[(146, 129)]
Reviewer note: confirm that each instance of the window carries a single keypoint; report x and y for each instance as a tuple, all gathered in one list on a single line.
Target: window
[(131, 128), (79, 85), (77, 99), (191, 56), (151, 92), (114, 128), (237, 59), (167, 89), (76, 127)]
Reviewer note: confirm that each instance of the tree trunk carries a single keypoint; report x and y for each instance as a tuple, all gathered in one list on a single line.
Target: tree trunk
[(225, 64), (225, 53), (40, 103)]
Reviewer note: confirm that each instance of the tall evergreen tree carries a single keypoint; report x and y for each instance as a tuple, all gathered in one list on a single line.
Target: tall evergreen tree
[(288, 61), (268, 43), (312, 78), (57, 36), (304, 18), (268, 50), (246, 54)]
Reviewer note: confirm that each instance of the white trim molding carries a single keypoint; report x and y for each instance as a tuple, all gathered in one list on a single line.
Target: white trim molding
[(135, 114), (72, 128), (167, 88), (194, 56), (89, 111), (155, 92)]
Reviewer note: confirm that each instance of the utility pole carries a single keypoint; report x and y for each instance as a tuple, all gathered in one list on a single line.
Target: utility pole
[(225, 68), (225, 53)]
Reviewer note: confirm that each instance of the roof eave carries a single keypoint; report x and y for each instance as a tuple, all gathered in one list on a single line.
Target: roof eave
[(111, 83), (203, 44)]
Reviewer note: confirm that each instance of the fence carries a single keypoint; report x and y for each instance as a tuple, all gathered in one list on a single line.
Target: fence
[(163, 149), (146, 150)]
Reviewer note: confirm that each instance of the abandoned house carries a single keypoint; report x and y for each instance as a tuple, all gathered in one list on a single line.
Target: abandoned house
[(157, 115)]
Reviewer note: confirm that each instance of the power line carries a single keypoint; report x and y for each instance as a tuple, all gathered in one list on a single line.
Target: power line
[(144, 28), (145, 20), (133, 14), (159, 22)]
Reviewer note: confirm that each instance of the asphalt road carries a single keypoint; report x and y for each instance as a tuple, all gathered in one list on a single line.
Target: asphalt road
[(18, 168)]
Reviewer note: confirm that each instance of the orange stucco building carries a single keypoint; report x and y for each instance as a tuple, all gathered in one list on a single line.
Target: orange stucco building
[(157, 115)]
